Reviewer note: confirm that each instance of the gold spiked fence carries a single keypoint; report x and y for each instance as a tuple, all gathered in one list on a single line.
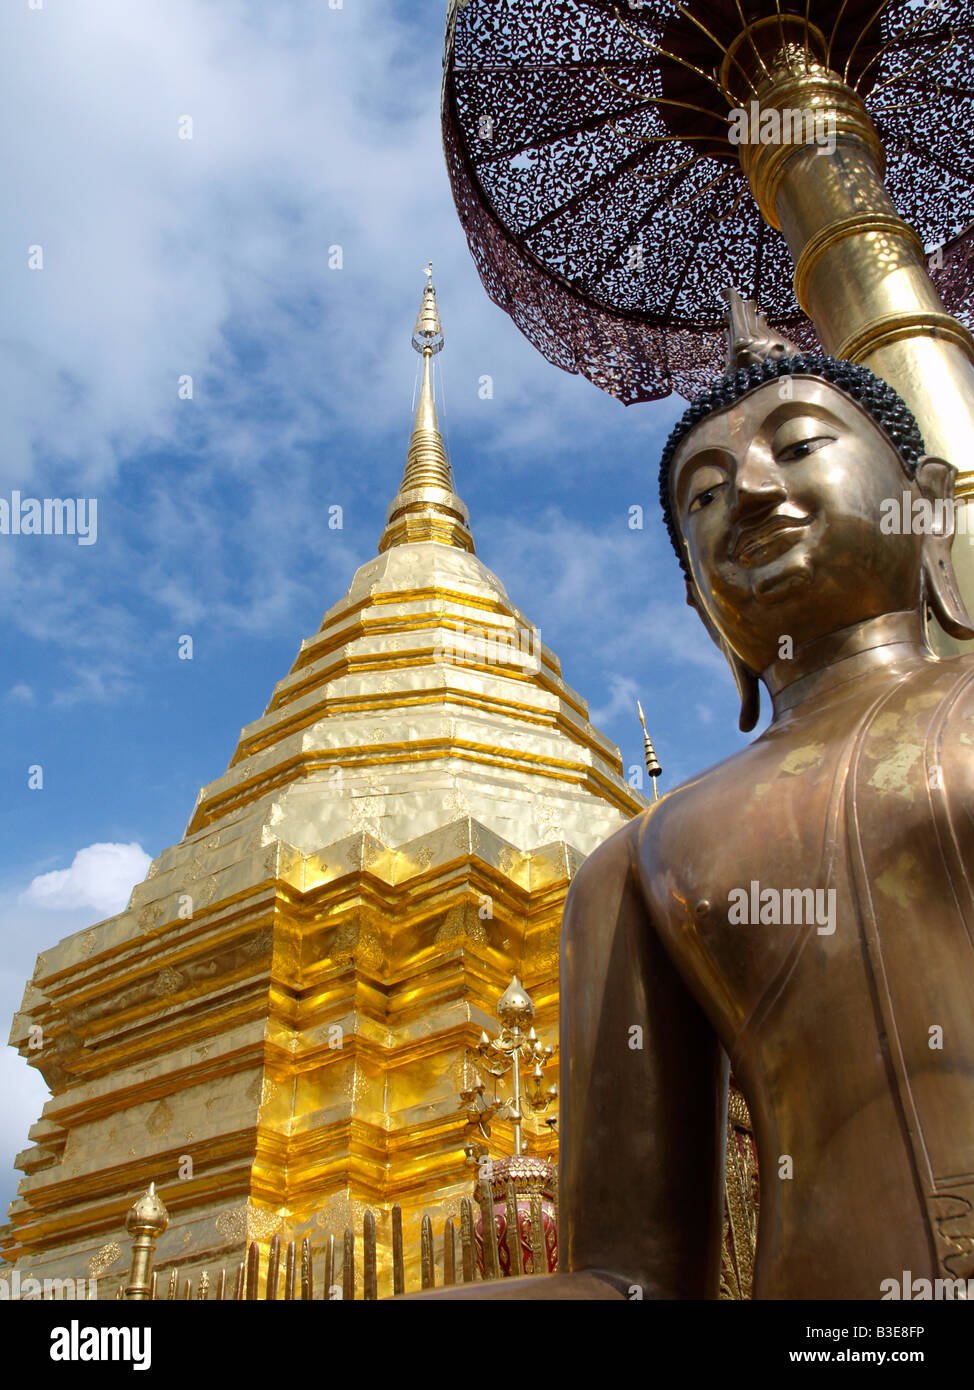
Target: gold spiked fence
[(298, 1272)]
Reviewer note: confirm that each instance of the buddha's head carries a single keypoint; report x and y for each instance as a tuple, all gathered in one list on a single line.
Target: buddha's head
[(778, 488)]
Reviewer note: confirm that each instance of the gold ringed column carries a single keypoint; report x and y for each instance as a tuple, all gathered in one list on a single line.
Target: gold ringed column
[(860, 269)]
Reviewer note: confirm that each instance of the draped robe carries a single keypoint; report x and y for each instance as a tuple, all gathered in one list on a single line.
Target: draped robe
[(855, 1048)]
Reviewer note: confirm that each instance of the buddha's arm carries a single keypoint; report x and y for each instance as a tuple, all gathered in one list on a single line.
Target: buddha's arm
[(643, 1096)]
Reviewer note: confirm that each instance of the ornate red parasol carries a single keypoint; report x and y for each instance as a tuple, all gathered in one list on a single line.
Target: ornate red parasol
[(587, 144)]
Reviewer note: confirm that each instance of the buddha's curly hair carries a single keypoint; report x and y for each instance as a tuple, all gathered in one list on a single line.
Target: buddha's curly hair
[(875, 396)]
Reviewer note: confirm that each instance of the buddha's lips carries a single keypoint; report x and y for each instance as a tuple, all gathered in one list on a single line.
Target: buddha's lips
[(756, 537)]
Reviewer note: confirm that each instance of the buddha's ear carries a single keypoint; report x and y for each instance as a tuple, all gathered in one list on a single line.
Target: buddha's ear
[(935, 479), (745, 679)]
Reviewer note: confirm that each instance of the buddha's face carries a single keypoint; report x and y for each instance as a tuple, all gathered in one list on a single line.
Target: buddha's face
[(779, 503)]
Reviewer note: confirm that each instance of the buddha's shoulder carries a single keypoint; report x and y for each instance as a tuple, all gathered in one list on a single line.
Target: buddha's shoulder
[(704, 802), (700, 802), (948, 682), (946, 673), (702, 794)]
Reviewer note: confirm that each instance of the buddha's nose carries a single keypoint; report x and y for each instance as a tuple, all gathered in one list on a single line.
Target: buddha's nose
[(758, 485)]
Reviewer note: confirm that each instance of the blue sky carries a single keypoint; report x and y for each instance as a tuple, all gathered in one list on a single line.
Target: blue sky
[(312, 127)]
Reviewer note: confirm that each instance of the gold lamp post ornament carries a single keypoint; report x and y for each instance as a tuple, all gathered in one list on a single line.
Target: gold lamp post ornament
[(517, 1051), (518, 1188)]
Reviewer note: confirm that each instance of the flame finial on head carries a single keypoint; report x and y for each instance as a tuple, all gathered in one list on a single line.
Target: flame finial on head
[(749, 339)]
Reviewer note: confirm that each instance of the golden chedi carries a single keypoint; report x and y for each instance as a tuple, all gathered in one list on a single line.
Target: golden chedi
[(277, 1029)]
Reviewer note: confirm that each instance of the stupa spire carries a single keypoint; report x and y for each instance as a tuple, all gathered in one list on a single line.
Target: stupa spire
[(426, 508)]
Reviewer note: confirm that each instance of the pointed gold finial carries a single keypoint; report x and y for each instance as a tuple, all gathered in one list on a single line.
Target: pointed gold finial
[(749, 339), (148, 1213), (146, 1221), (426, 508), (653, 768), (428, 333)]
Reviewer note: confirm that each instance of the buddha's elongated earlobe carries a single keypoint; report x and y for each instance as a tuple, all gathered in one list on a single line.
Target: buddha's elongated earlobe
[(745, 679), (747, 688), (935, 479)]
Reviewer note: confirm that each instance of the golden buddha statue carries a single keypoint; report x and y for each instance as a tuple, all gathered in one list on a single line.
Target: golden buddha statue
[(803, 909)]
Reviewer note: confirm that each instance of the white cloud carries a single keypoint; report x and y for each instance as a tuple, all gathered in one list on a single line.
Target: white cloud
[(210, 256), (600, 583), (100, 877), (21, 694), (165, 256), (623, 694), (99, 685)]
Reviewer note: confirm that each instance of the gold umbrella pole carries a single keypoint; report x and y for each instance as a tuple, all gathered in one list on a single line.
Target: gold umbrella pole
[(860, 270)]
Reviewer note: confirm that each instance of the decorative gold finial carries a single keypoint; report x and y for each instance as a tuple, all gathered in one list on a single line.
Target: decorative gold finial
[(146, 1221), (148, 1213), (426, 508), (653, 768), (749, 339)]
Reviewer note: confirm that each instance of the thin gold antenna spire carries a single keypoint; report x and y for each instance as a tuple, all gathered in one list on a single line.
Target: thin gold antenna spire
[(653, 768)]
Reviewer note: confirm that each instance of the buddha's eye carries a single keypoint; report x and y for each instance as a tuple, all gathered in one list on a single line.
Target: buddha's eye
[(803, 447), (704, 497)]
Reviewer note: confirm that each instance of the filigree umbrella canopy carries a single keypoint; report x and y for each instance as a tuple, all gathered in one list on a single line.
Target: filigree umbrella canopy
[(587, 145)]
